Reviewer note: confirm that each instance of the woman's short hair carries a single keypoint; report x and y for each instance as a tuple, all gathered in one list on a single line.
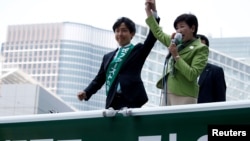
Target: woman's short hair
[(190, 19)]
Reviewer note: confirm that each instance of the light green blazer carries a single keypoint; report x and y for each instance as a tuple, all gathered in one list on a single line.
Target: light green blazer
[(188, 67)]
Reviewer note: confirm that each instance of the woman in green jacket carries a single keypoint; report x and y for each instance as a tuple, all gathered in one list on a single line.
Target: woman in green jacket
[(187, 61)]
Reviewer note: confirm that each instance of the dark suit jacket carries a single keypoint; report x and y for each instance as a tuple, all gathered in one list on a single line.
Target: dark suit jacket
[(129, 76), (212, 84)]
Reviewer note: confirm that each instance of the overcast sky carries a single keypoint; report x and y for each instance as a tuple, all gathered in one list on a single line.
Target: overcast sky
[(217, 18)]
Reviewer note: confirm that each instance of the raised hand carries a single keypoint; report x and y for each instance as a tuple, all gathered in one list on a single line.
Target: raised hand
[(151, 4), (149, 7)]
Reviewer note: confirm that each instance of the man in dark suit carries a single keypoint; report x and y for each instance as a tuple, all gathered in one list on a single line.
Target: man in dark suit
[(211, 81), (121, 69)]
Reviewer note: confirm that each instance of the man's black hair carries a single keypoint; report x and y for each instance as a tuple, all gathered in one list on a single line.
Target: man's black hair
[(128, 22), (203, 37)]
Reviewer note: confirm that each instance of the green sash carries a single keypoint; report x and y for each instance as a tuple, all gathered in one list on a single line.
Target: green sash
[(115, 65)]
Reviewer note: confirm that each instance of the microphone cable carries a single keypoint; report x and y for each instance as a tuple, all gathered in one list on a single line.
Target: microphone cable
[(164, 80)]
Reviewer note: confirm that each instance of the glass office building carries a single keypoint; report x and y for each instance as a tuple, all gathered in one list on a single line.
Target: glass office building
[(65, 57), (233, 55), (238, 48), (237, 75)]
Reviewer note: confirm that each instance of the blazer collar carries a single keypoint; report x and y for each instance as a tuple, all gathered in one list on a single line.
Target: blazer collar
[(190, 46)]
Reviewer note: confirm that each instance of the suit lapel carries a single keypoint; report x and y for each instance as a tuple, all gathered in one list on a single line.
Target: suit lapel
[(109, 58), (204, 74)]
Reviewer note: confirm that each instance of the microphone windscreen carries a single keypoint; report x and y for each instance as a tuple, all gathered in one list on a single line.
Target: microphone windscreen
[(178, 38)]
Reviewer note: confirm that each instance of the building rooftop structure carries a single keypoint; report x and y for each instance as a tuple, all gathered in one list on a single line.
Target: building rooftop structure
[(22, 95)]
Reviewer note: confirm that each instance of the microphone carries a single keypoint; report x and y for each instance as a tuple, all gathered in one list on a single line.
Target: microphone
[(177, 40)]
